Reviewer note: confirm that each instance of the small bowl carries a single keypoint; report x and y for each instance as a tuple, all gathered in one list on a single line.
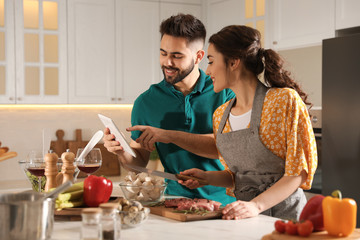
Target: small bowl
[(131, 219), (146, 195), (34, 180)]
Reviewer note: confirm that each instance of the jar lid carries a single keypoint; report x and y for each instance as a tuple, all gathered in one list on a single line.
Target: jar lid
[(91, 211), (109, 206)]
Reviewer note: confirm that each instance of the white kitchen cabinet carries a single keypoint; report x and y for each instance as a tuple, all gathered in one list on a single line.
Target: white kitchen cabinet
[(347, 14), (301, 23), (7, 52), (223, 13), (252, 13), (34, 33), (137, 48), (91, 51), (138, 42)]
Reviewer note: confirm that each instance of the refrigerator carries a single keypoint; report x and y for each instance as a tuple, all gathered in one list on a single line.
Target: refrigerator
[(341, 117)]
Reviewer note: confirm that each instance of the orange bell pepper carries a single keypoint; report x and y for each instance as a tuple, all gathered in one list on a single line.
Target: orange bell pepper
[(339, 214)]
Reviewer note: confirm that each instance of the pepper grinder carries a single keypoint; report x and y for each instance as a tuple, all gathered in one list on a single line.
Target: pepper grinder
[(68, 168), (51, 170)]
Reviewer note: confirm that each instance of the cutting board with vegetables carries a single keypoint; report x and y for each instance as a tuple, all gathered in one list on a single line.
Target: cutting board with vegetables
[(184, 216), (316, 235), (73, 214)]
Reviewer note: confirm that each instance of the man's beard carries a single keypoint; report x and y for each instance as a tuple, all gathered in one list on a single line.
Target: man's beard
[(180, 74)]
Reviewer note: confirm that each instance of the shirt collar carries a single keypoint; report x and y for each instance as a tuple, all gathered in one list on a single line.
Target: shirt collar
[(199, 87)]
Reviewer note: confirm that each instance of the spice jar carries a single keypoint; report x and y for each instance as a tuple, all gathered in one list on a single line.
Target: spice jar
[(110, 221), (91, 224)]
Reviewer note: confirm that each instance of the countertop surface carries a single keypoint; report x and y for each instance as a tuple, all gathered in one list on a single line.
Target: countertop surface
[(161, 228)]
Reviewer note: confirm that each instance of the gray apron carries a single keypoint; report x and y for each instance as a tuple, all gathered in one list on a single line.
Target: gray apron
[(255, 167)]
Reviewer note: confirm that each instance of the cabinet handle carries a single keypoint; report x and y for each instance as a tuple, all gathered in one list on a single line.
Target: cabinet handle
[(119, 99), (19, 99), (113, 99), (275, 42), (11, 98)]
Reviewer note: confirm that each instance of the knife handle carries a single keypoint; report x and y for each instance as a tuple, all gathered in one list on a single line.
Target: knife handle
[(186, 177)]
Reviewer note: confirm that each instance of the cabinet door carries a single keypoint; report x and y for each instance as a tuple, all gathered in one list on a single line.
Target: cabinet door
[(91, 52), (40, 40), (302, 23), (138, 44), (224, 13), (7, 54), (347, 14), (252, 13)]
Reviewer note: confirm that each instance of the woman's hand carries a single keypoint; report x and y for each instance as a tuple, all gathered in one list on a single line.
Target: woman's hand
[(239, 210), (195, 173)]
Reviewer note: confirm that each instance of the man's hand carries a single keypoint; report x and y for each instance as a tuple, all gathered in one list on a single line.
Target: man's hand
[(110, 143), (150, 135)]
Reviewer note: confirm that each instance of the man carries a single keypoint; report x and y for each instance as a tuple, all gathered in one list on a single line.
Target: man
[(175, 115)]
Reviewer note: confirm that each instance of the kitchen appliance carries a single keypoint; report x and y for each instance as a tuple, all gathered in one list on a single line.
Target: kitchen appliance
[(170, 176), (28, 215), (316, 121), (341, 116)]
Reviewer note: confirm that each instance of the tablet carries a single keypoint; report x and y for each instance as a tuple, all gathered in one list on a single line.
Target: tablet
[(119, 136)]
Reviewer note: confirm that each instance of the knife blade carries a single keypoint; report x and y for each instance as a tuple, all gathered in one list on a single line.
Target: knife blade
[(170, 176)]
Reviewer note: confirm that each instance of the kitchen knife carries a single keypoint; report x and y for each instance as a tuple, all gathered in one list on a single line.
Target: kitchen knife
[(170, 176)]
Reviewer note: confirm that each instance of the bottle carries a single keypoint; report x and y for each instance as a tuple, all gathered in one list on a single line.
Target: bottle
[(91, 224), (110, 221)]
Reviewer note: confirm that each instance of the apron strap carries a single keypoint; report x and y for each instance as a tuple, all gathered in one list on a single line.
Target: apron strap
[(258, 103), (225, 116), (255, 120)]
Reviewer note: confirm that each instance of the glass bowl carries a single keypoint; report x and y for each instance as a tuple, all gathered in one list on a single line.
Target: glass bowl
[(145, 194), (131, 219), (34, 180)]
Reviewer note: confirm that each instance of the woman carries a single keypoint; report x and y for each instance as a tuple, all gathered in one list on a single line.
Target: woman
[(264, 135)]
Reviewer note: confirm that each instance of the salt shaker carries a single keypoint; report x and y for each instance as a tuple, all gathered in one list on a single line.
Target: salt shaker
[(68, 168), (91, 224), (110, 221)]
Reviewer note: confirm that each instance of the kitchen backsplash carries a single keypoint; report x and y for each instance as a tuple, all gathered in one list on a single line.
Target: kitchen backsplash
[(21, 129)]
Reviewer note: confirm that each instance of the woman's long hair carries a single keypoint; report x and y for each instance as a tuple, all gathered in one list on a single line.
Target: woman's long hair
[(242, 42)]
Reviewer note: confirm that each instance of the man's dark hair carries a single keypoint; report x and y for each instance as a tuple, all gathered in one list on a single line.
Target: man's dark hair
[(183, 25)]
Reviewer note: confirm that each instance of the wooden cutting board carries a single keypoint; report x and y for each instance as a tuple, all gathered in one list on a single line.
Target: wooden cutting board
[(110, 164), (73, 214), (68, 214), (316, 235), (169, 213)]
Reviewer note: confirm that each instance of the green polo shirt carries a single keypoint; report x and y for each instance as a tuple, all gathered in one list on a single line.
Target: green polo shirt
[(162, 106)]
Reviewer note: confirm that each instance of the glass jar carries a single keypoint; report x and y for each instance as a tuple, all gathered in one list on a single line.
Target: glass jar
[(91, 224), (110, 221)]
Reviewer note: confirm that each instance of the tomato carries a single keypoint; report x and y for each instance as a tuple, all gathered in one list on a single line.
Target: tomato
[(291, 228), (305, 228), (280, 226)]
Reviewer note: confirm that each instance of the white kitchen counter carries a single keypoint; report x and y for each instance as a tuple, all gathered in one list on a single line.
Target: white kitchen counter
[(161, 228)]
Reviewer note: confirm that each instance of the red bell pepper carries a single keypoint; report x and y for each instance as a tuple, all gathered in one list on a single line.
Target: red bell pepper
[(97, 190), (313, 211)]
